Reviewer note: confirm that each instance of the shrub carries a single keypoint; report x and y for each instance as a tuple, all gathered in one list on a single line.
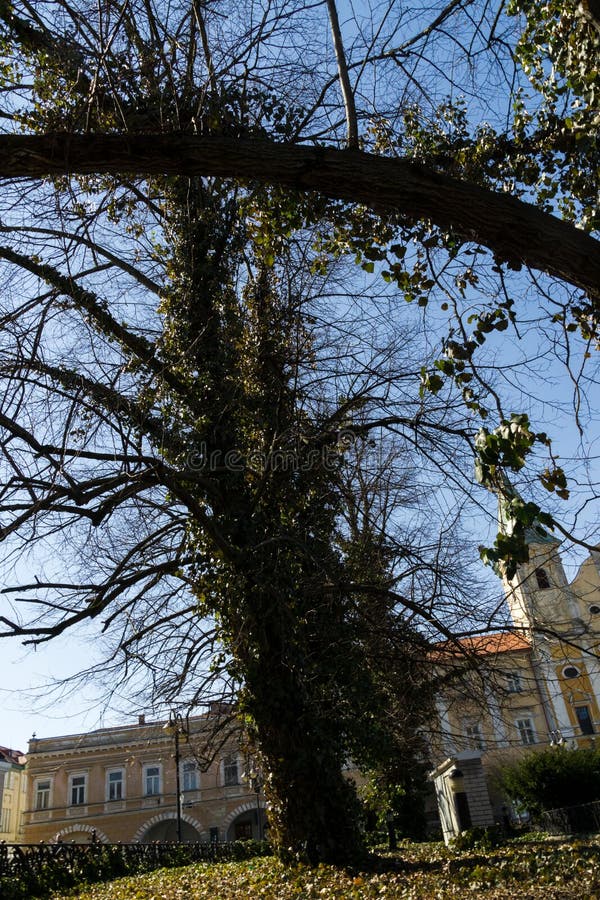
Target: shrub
[(478, 838), (553, 778)]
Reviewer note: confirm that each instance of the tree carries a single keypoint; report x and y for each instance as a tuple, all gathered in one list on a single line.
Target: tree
[(209, 465), (169, 381)]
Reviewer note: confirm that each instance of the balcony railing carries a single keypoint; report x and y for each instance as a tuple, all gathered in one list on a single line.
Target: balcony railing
[(135, 803)]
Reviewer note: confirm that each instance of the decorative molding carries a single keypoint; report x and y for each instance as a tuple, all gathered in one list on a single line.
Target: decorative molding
[(164, 817), (244, 807), (70, 829), (140, 744)]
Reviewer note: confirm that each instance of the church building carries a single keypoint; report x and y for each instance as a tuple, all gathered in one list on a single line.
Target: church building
[(529, 687)]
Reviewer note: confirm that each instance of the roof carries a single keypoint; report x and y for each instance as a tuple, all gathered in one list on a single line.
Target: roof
[(12, 756), (499, 642), (487, 644)]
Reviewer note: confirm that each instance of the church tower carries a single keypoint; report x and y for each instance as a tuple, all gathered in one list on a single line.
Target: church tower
[(539, 596), (561, 619)]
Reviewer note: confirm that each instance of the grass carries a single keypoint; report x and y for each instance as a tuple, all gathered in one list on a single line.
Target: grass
[(544, 869)]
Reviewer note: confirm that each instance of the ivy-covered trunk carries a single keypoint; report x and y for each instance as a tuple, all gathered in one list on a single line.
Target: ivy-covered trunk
[(266, 508), (295, 649), (313, 809), (271, 566)]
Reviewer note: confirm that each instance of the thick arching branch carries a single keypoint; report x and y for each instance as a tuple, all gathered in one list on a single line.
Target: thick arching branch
[(511, 229)]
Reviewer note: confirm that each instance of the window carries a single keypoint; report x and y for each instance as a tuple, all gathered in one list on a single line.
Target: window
[(114, 785), (8, 780), (230, 770), (5, 821), (190, 775), (78, 785), (42, 795), (151, 781), (513, 682), (543, 582), (526, 730), (571, 672), (474, 736), (585, 720)]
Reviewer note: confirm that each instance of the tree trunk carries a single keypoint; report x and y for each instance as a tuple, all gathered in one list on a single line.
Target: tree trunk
[(295, 652), (313, 809)]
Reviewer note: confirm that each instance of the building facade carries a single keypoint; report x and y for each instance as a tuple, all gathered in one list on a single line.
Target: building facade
[(121, 784), (13, 794), (534, 686)]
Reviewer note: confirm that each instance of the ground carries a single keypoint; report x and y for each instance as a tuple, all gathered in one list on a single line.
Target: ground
[(544, 869)]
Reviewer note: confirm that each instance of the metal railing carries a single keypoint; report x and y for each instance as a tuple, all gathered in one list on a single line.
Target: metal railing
[(41, 868), (581, 819)]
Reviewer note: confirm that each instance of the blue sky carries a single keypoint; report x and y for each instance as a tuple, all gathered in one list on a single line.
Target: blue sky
[(27, 706), (28, 702)]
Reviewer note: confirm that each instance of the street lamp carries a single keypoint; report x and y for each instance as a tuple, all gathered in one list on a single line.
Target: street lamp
[(176, 726), (256, 779)]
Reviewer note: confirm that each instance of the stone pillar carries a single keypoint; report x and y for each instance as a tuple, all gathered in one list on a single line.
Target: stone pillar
[(461, 790), (445, 728), (498, 725), (476, 789)]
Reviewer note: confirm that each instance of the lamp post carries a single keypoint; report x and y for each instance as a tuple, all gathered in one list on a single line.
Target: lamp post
[(176, 726), (255, 777)]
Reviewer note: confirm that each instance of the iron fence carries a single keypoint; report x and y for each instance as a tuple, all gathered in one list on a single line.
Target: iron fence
[(581, 819), (36, 869)]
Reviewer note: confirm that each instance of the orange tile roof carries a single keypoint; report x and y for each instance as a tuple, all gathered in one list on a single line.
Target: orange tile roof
[(489, 644), (501, 642)]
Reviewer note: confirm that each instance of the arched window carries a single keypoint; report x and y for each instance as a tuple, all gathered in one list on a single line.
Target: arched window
[(585, 720), (541, 576)]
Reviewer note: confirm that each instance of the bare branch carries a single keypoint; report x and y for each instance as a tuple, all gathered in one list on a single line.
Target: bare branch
[(346, 87)]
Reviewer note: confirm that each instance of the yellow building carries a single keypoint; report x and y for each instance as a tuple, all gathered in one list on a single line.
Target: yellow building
[(562, 621), (13, 790), (121, 784), (493, 699), (525, 689)]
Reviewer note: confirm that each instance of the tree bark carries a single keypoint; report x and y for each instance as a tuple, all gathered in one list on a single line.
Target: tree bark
[(313, 809), (513, 230)]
